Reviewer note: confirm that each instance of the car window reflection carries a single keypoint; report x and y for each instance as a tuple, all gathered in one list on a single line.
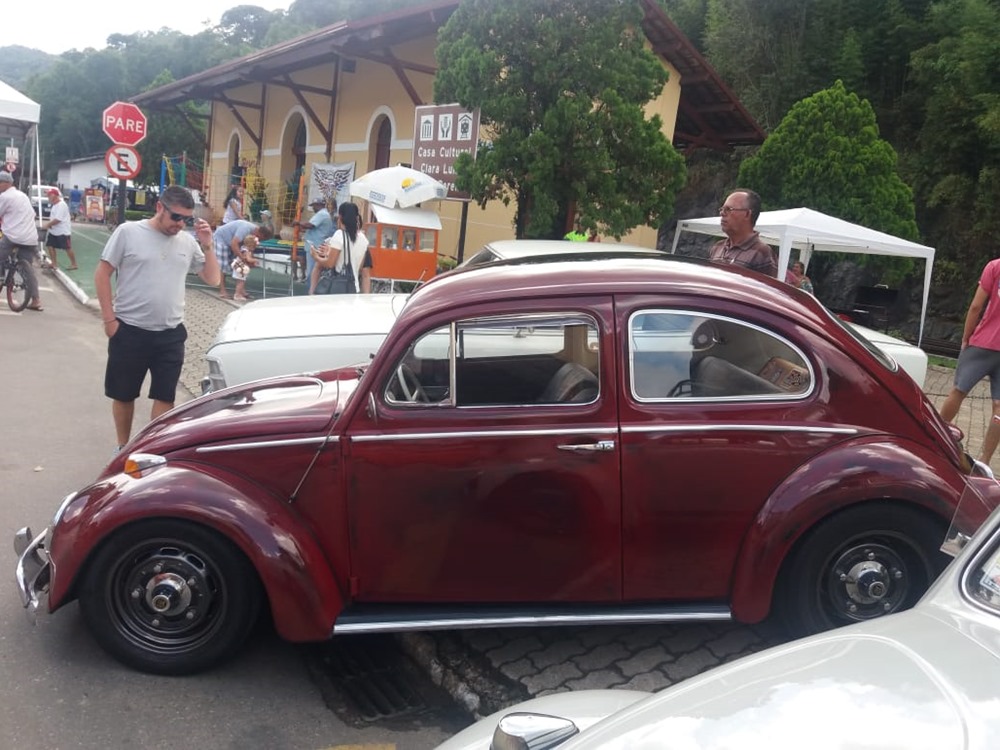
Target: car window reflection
[(683, 355)]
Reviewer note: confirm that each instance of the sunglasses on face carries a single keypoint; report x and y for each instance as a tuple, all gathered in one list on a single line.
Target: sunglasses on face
[(174, 216)]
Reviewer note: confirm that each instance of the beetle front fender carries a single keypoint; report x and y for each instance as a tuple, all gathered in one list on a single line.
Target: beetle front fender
[(872, 470), (304, 594)]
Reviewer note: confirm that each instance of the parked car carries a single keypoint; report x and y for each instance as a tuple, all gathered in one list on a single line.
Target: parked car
[(620, 439), (40, 194), (921, 680), (286, 335), (304, 334)]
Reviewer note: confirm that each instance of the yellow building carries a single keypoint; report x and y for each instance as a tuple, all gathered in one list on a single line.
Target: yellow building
[(346, 95)]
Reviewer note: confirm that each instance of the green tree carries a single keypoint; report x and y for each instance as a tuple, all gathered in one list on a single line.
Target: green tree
[(827, 154), (561, 87), (955, 156), (247, 25)]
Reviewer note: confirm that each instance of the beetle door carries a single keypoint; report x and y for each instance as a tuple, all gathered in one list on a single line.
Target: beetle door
[(486, 467)]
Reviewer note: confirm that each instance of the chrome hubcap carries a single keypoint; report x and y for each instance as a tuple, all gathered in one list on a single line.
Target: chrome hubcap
[(867, 581)]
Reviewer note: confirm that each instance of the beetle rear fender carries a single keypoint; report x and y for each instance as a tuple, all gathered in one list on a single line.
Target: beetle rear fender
[(303, 592), (871, 470)]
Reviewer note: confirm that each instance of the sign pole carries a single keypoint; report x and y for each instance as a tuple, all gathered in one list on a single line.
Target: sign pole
[(461, 231), (122, 199)]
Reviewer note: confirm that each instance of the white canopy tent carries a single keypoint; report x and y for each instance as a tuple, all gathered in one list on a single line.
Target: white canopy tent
[(19, 118), (809, 231)]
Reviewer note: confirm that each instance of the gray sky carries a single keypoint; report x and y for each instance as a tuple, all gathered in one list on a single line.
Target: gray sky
[(61, 25)]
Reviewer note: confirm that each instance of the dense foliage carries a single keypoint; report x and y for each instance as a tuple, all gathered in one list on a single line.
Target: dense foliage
[(826, 154), (561, 87)]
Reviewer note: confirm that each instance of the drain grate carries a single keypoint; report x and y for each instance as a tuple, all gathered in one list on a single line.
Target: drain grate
[(371, 675)]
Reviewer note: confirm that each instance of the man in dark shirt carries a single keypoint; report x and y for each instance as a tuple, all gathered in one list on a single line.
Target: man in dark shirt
[(743, 245)]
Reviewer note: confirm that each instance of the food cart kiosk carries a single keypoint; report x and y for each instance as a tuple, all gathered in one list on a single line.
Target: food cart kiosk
[(403, 243)]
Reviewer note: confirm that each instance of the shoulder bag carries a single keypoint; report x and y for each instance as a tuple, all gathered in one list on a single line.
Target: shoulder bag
[(331, 282)]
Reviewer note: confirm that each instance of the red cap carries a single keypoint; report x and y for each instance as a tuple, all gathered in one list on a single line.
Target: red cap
[(53, 191)]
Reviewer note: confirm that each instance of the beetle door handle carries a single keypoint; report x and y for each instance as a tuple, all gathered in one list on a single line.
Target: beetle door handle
[(601, 446)]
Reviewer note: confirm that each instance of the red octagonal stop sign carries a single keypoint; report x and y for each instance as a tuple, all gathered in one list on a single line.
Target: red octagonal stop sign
[(123, 122)]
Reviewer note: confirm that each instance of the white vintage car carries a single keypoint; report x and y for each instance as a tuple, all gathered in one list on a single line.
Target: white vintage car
[(924, 679), (286, 335)]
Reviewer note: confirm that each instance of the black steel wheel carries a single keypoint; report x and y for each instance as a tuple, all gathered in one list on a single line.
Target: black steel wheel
[(170, 597), (17, 289), (866, 562)]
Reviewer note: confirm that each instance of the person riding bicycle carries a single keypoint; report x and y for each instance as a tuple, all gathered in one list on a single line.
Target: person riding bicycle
[(19, 232)]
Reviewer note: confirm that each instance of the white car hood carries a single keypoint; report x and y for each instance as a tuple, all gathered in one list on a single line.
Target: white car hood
[(912, 681), (318, 315), (932, 688)]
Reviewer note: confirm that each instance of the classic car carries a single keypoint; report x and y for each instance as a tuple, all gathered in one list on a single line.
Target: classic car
[(924, 679), (285, 335), (620, 439), (304, 334)]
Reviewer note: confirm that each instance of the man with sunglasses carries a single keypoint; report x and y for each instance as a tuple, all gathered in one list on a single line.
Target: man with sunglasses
[(743, 246), (144, 319)]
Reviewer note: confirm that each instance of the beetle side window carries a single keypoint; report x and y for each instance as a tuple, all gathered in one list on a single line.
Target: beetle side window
[(502, 361), (684, 355)]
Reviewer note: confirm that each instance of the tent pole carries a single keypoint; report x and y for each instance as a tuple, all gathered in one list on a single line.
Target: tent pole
[(928, 272), (677, 235), (38, 173)]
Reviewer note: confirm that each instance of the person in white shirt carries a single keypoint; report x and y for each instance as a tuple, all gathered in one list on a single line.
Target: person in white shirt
[(20, 232), (60, 230), (330, 256)]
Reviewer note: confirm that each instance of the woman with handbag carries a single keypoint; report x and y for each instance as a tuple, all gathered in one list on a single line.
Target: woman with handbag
[(343, 264)]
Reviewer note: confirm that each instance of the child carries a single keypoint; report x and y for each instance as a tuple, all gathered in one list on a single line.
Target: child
[(241, 267)]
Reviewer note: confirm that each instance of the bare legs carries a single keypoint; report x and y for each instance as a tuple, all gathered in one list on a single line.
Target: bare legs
[(949, 410), (124, 411), (69, 253)]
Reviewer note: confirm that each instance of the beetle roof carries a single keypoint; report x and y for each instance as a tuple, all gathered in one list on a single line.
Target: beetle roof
[(611, 272)]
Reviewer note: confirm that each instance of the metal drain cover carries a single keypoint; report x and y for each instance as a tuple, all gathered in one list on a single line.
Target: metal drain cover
[(366, 679)]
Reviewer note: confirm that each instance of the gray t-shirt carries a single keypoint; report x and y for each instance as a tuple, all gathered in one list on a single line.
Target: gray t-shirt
[(151, 270)]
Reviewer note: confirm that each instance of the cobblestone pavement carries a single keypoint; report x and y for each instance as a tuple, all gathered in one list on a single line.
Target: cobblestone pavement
[(493, 668)]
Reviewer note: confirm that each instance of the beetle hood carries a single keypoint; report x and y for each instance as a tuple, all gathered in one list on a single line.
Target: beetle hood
[(277, 407)]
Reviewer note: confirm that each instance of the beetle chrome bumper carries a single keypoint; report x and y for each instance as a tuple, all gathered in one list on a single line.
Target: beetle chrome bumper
[(33, 569)]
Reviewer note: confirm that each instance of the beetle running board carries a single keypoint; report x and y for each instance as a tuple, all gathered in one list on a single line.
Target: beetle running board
[(395, 618)]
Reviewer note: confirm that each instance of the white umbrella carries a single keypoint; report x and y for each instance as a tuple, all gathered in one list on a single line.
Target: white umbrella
[(398, 187)]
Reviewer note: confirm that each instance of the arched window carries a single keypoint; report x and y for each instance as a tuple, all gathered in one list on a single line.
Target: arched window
[(299, 146), (383, 144)]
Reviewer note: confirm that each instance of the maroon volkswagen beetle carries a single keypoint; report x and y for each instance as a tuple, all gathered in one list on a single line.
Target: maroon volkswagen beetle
[(614, 440)]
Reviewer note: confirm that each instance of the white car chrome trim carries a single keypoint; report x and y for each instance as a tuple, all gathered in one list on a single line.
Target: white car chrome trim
[(743, 427), (264, 444), (583, 429)]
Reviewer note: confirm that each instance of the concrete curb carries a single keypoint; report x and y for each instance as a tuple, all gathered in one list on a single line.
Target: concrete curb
[(72, 287), (478, 688)]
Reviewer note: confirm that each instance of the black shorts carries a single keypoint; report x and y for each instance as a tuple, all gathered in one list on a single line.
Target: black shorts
[(57, 241), (132, 352)]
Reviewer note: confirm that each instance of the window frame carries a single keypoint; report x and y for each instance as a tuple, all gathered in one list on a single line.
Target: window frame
[(782, 396), (530, 321)]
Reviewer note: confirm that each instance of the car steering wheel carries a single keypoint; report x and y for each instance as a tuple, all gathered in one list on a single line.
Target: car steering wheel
[(683, 388), (413, 392)]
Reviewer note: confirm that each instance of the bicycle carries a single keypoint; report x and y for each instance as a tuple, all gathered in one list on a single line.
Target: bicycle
[(13, 275)]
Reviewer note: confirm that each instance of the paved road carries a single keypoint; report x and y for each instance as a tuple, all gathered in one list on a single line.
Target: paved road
[(488, 669)]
